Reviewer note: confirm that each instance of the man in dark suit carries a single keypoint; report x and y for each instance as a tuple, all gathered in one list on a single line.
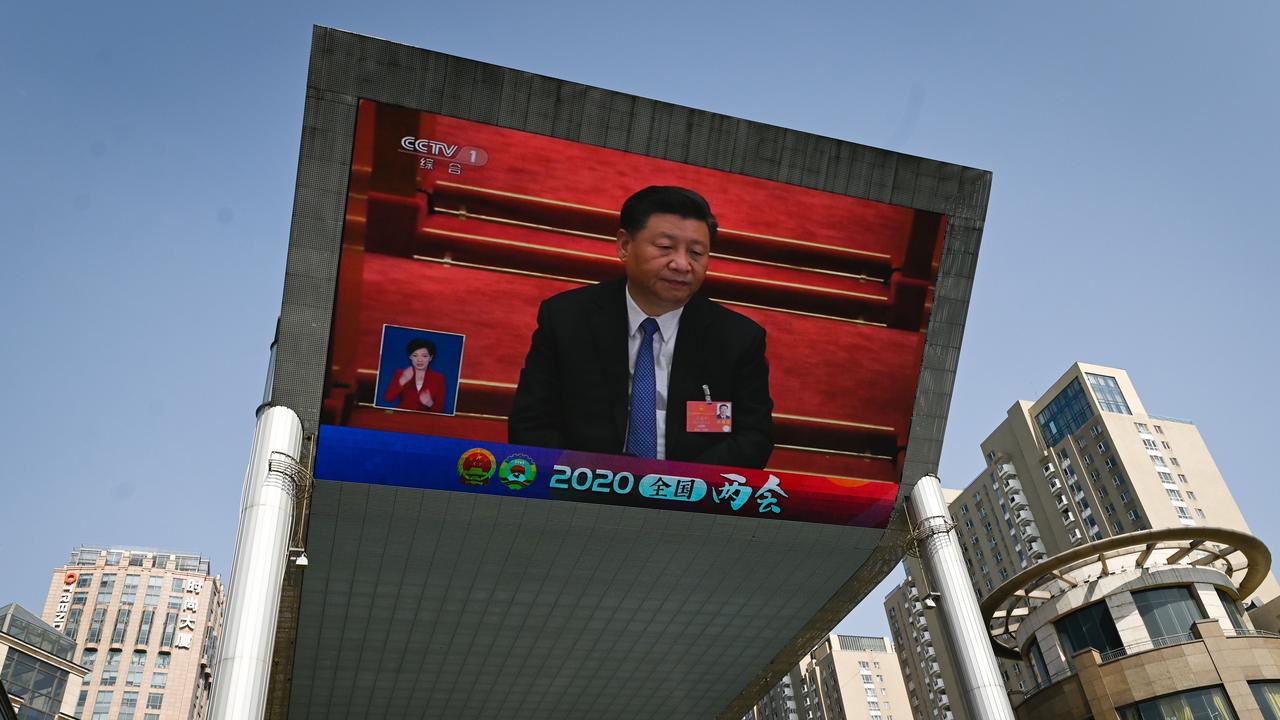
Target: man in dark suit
[(615, 367)]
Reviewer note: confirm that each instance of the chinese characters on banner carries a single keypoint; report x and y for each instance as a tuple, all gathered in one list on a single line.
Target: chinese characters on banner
[(736, 492), (187, 618)]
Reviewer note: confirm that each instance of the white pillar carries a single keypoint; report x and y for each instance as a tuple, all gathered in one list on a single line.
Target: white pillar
[(975, 660), (243, 665)]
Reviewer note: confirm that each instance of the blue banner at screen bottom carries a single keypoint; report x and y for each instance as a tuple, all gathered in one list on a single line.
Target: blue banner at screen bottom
[(458, 465)]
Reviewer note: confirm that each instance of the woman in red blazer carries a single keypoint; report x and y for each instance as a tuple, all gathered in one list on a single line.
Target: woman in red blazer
[(417, 387)]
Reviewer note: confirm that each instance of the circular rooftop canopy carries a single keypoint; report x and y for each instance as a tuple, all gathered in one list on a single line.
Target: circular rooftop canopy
[(1242, 557)]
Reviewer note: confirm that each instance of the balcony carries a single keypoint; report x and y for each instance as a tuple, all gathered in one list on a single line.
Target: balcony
[(1006, 471), (1022, 517), (1017, 500), (1062, 502), (1055, 484)]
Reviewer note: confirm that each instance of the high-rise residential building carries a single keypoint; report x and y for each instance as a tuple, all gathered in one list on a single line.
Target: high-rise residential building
[(1084, 462), (36, 666), (146, 624), (846, 677)]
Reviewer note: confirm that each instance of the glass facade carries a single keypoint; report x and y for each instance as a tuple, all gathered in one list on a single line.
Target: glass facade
[(1167, 612), (1268, 696), (1107, 391), (1204, 704), (16, 622), (1089, 627), (1232, 609), (1064, 414), (39, 684)]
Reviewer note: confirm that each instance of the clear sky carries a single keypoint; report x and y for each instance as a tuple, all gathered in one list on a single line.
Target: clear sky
[(147, 171)]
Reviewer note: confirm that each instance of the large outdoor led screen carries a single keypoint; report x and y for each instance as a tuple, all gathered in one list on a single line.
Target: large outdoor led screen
[(456, 231)]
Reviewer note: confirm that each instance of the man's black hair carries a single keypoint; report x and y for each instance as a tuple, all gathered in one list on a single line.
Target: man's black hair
[(669, 199), (419, 343)]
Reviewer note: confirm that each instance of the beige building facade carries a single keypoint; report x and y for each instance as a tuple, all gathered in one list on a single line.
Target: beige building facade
[(1084, 462), (846, 677), (1142, 626), (146, 625)]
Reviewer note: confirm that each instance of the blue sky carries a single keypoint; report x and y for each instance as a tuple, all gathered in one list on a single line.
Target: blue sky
[(149, 153)]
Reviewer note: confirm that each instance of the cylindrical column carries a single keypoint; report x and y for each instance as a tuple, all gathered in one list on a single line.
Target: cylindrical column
[(262, 547), (962, 621)]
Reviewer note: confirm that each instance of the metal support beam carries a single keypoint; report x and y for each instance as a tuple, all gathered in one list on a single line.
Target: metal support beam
[(272, 482), (939, 547)]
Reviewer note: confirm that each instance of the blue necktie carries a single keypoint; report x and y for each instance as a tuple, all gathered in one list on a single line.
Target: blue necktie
[(642, 435)]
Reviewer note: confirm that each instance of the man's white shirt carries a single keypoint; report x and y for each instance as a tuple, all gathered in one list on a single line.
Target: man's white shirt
[(664, 347)]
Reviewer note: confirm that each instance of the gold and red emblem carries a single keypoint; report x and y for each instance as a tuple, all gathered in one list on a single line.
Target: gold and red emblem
[(476, 466)]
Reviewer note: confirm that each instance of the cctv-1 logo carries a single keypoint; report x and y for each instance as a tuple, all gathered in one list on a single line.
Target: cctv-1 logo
[(604, 481)]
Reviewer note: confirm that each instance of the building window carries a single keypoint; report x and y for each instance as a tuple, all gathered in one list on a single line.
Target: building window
[(1117, 480), (162, 661), (1151, 444), (1191, 496), (137, 664), (111, 670), (1158, 461), (170, 626), (113, 557), (88, 658), (40, 684), (1065, 413), (122, 624), (128, 706), (1173, 494), (85, 581), (1125, 497), (106, 587), (1165, 444), (1204, 704), (1133, 515), (73, 621), (130, 594), (1111, 462), (155, 700), (1182, 478), (1267, 693), (177, 585), (102, 704), (144, 627), (154, 586), (95, 625), (1090, 626), (1159, 430), (1200, 513), (1182, 512), (1142, 427), (159, 680), (1174, 461), (1232, 608), (1107, 391), (1164, 476)]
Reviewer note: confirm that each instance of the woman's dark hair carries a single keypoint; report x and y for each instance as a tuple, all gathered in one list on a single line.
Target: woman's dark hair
[(677, 201), (418, 344)]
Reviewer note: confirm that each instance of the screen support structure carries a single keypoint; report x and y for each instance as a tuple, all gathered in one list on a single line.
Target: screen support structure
[(273, 482)]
